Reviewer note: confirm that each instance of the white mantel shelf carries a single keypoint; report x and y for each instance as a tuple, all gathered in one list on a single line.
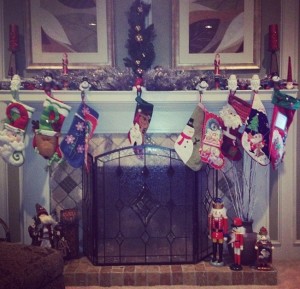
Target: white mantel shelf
[(172, 109)]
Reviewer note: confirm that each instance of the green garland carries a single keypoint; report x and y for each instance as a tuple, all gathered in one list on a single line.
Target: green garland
[(111, 78), (139, 44)]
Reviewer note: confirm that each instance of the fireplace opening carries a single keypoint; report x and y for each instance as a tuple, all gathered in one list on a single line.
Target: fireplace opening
[(144, 206)]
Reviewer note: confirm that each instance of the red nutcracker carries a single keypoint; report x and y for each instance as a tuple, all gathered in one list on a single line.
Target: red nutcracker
[(237, 243), (218, 228)]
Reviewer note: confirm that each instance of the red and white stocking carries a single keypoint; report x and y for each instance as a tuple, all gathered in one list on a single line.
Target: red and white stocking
[(212, 138), (231, 135)]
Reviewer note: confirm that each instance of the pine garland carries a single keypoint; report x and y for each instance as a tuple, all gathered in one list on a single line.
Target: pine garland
[(139, 44)]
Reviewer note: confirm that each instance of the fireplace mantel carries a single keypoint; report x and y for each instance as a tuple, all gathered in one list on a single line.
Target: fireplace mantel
[(116, 108)]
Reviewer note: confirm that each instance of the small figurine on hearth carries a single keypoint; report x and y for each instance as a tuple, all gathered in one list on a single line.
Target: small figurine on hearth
[(237, 242), (264, 249), (218, 227)]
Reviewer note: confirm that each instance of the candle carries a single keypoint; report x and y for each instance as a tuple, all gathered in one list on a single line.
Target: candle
[(13, 37), (273, 37)]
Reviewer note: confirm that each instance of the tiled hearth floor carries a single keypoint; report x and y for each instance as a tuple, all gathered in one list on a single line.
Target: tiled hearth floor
[(81, 272)]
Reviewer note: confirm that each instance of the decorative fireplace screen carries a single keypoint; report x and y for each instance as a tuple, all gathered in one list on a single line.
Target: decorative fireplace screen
[(144, 206)]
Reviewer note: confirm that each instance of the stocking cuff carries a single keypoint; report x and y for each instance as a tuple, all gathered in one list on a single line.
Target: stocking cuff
[(241, 106), (61, 107), (47, 132), (13, 129), (284, 100)]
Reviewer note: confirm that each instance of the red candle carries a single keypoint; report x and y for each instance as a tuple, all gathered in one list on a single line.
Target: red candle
[(273, 37), (13, 37)]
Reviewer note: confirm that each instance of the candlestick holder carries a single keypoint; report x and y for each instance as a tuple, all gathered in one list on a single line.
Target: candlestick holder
[(217, 63), (273, 47)]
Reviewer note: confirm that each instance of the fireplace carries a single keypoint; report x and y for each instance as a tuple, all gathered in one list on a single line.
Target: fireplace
[(145, 206)]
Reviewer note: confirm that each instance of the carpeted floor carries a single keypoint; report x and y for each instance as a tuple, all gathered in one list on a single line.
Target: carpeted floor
[(288, 278)]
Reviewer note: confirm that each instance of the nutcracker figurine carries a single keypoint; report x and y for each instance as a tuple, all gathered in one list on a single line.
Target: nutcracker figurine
[(264, 249), (218, 227), (237, 242)]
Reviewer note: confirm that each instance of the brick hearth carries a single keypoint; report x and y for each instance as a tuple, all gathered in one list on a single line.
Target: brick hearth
[(80, 272)]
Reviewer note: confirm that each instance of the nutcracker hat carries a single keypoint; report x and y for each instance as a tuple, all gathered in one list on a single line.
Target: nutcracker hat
[(263, 231), (218, 203), (237, 222)]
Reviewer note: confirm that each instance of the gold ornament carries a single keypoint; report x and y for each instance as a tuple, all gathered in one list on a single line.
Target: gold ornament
[(137, 62), (139, 38), (139, 71)]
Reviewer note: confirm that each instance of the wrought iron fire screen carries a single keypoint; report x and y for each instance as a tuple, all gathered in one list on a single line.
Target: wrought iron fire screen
[(144, 206)]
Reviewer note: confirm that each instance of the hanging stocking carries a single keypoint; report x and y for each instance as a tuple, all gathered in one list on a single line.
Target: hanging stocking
[(47, 130), (75, 144), (242, 107), (141, 121), (231, 135), (255, 138), (212, 138), (187, 144), (283, 114), (12, 136)]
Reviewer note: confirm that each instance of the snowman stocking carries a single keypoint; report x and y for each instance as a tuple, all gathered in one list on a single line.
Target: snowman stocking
[(12, 136), (75, 144), (210, 147), (283, 114), (47, 131), (187, 144), (255, 138), (141, 122), (231, 135)]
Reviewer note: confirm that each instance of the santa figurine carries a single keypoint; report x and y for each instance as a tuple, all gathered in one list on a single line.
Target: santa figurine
[(218, 227), (237, 242), (264, 249), (41, 231)]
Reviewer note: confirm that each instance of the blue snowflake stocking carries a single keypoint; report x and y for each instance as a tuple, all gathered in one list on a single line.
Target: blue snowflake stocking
[(75, 144)]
